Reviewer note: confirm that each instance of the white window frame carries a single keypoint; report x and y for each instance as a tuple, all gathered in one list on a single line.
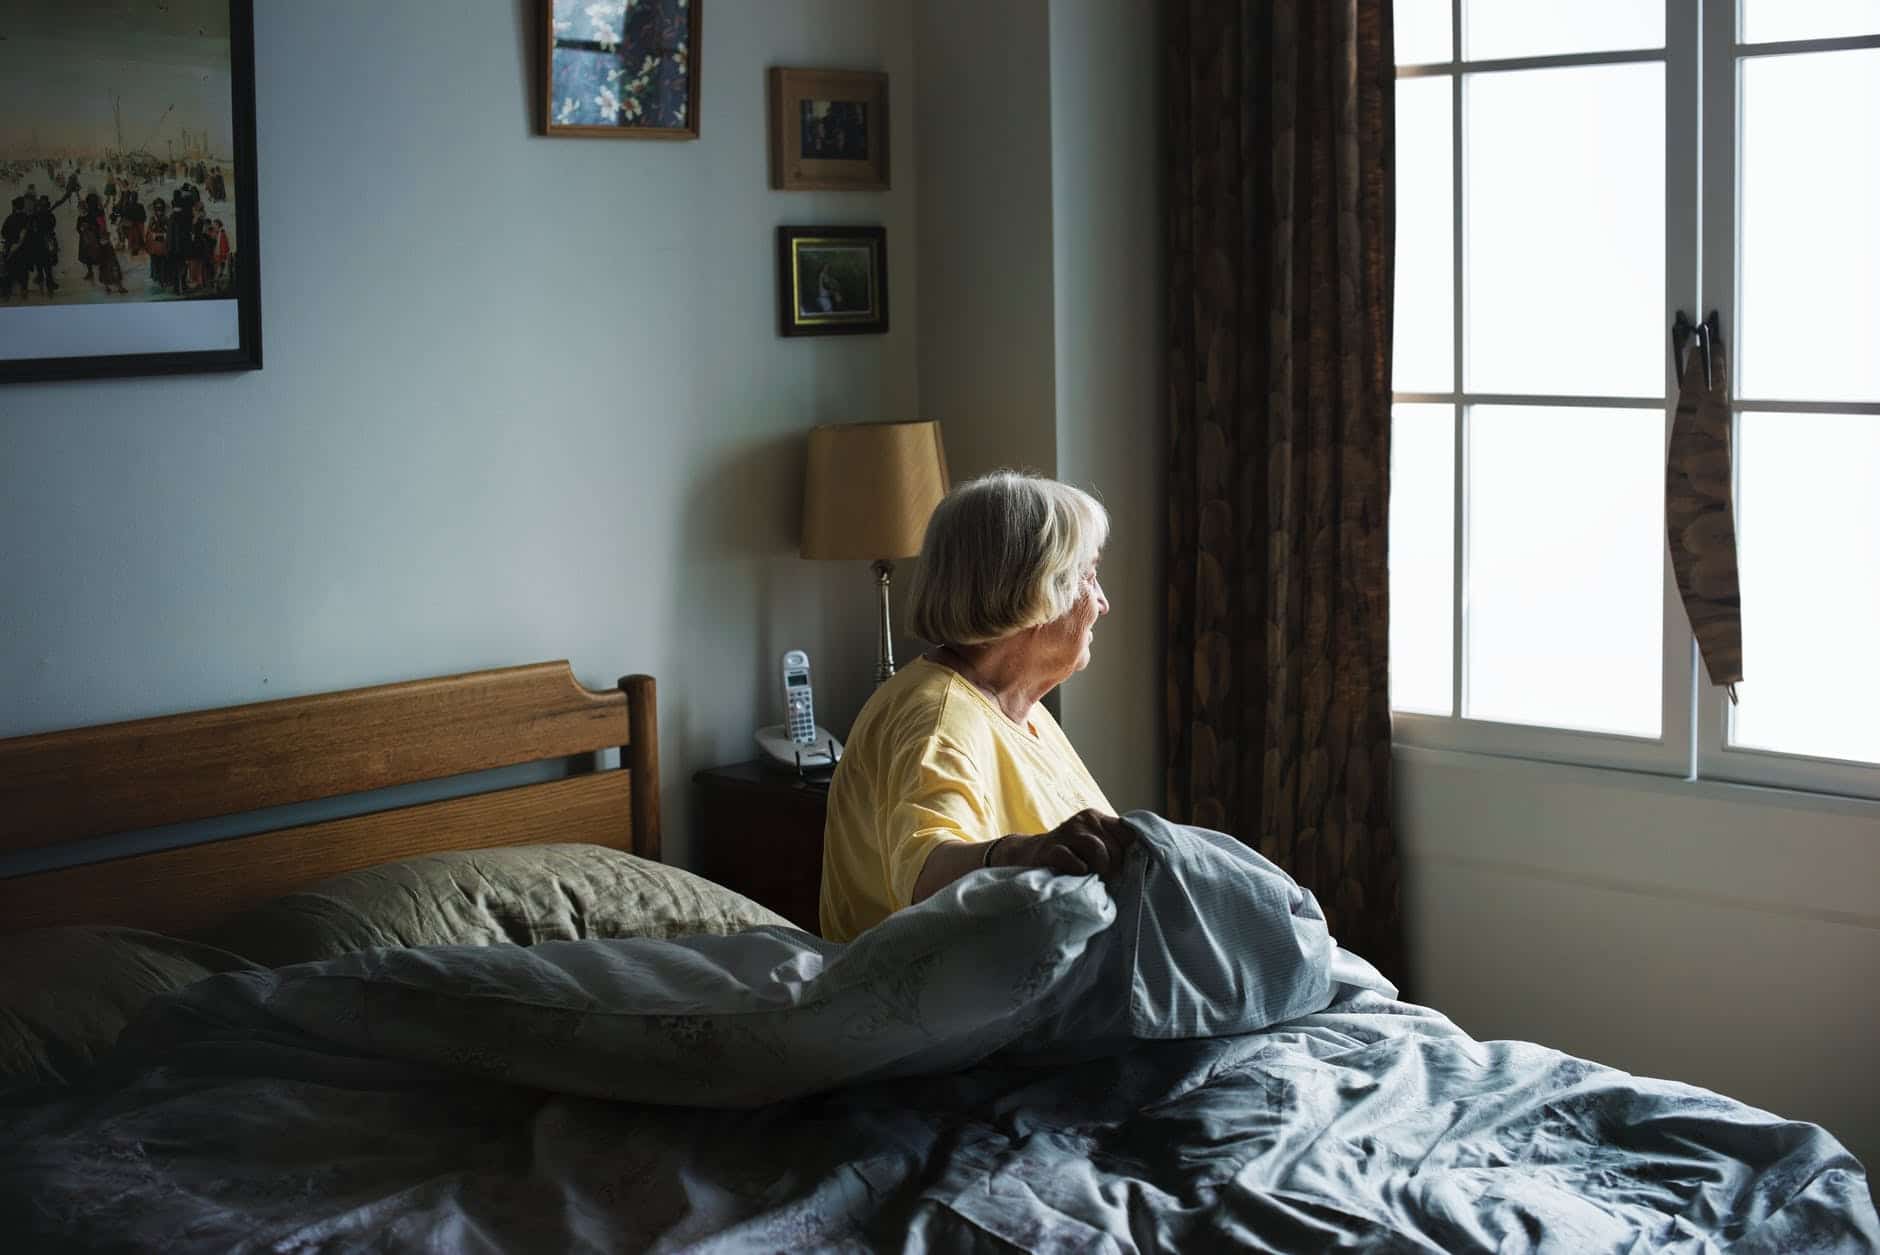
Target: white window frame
[(1722, 59), (1668, 753), (1700, 57)]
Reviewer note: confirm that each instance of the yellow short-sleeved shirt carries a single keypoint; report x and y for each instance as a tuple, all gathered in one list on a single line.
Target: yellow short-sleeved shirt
[(931, 759)]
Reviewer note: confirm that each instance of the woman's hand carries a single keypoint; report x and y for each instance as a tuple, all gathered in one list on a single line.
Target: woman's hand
[(1089, 841)]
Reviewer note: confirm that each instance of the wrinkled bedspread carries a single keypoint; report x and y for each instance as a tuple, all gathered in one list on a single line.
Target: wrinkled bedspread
[(1375, 1125), (328, 1107)]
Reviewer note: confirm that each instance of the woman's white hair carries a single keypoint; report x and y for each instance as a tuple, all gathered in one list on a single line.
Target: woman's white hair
[(1003, 553)]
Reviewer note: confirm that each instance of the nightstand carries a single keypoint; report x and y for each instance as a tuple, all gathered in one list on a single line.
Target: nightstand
[(760, 831)]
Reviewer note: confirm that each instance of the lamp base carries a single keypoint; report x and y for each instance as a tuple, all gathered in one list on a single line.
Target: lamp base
[(884, 645)]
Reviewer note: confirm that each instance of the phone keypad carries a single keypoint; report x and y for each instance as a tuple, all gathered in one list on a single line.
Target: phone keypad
[(802, 720)]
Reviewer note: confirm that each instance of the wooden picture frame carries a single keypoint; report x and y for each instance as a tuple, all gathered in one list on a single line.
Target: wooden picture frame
[(637, 80), (142, 292), (828, 130), (832, 281)]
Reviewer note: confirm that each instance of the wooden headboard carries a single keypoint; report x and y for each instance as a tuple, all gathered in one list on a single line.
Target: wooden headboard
[(76, 785)]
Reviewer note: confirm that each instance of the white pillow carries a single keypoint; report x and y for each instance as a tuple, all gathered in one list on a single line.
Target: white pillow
[(737, 1021)]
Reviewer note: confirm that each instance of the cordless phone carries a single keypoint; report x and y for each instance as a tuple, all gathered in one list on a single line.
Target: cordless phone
[(798, 741), (799, 702)]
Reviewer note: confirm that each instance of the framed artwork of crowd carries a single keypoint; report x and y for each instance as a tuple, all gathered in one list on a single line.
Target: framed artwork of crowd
[(129, 235)]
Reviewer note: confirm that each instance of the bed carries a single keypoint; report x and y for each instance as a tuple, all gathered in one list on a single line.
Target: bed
[(497, 1022)]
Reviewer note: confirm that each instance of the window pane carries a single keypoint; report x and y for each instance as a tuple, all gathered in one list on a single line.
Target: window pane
[(1810, 256), (1566, 231), (1424, 328), (1808, 549), (1566, 567), (1422, 558), (1767, 21), (1422, 31), (1494, 29)]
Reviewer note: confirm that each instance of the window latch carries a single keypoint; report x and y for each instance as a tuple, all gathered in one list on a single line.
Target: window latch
[(1706, 333)]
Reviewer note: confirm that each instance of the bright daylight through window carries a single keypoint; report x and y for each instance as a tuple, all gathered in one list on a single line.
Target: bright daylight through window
[(1569, 177)]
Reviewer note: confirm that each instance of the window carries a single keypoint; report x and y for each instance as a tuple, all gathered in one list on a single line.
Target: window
[(1568, 178)]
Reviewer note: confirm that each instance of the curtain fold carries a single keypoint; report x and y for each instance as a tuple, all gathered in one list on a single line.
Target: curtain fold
[(1281, 218), (1700, 511)]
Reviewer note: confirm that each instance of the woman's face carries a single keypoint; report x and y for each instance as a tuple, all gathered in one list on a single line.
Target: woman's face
[(1064, 643)]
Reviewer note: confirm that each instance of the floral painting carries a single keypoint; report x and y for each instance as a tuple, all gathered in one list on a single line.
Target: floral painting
[(622, 67)]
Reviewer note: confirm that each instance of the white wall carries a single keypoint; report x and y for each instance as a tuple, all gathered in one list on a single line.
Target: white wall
[(524, 399), (1041, 311), (1716, 934), (986, 301), (1107, 175)]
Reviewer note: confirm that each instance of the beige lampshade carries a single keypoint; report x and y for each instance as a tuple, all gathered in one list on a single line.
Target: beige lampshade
[(870, 488)]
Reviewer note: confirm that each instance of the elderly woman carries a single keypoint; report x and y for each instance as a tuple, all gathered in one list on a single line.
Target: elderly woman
[(953, 765)]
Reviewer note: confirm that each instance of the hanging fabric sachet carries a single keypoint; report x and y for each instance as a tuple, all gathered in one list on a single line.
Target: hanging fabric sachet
[(1700, 517)]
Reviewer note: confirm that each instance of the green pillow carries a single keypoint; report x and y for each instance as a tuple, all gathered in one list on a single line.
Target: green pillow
[(65, 993), (514, 894)]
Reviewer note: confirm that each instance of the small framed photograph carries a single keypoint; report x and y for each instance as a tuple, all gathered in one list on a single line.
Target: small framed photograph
[(832, 281), (131, 241), (626, 69), (828, 130)]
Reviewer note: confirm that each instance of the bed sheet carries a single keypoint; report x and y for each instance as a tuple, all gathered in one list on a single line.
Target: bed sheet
[(1023, 1062), (1374, 1125)]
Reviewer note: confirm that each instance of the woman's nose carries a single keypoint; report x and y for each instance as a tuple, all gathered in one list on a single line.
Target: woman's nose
[(1103, 603)]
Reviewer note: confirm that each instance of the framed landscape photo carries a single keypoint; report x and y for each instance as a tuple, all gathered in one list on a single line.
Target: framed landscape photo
[(828, 130), (832, 281), (626, 69), (129, 235)]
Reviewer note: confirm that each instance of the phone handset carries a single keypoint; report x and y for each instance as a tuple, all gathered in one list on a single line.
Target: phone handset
[(799, 700), (799, 741)]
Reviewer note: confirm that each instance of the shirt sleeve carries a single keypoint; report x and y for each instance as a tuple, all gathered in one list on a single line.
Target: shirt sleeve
[(938, 797)]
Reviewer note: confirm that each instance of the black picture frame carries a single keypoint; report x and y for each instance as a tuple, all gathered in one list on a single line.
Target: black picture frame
[(832, 281), (133, 321)]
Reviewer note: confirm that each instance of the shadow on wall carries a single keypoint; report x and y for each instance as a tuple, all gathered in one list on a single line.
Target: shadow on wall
[(529, 41), (739, 523), (742, 592)]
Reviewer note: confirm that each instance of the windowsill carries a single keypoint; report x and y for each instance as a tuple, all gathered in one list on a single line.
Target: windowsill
[(1708, 790)]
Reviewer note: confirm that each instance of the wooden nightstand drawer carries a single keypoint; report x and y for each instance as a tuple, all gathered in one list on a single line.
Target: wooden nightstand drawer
[(760, 831)]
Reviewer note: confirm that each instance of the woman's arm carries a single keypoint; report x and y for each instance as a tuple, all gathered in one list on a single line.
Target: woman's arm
[(946, 864), (1089, 841)]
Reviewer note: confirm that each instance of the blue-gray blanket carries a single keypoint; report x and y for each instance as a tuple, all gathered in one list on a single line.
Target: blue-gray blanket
[(1180, 1060)]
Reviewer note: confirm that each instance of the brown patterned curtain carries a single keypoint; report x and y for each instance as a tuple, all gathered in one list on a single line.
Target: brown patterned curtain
[(1281, 215)]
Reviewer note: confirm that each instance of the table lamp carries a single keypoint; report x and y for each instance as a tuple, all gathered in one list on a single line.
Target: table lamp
[(867, 494)]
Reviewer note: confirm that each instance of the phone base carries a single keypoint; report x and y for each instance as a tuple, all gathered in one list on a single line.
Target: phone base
[(814, 761)]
